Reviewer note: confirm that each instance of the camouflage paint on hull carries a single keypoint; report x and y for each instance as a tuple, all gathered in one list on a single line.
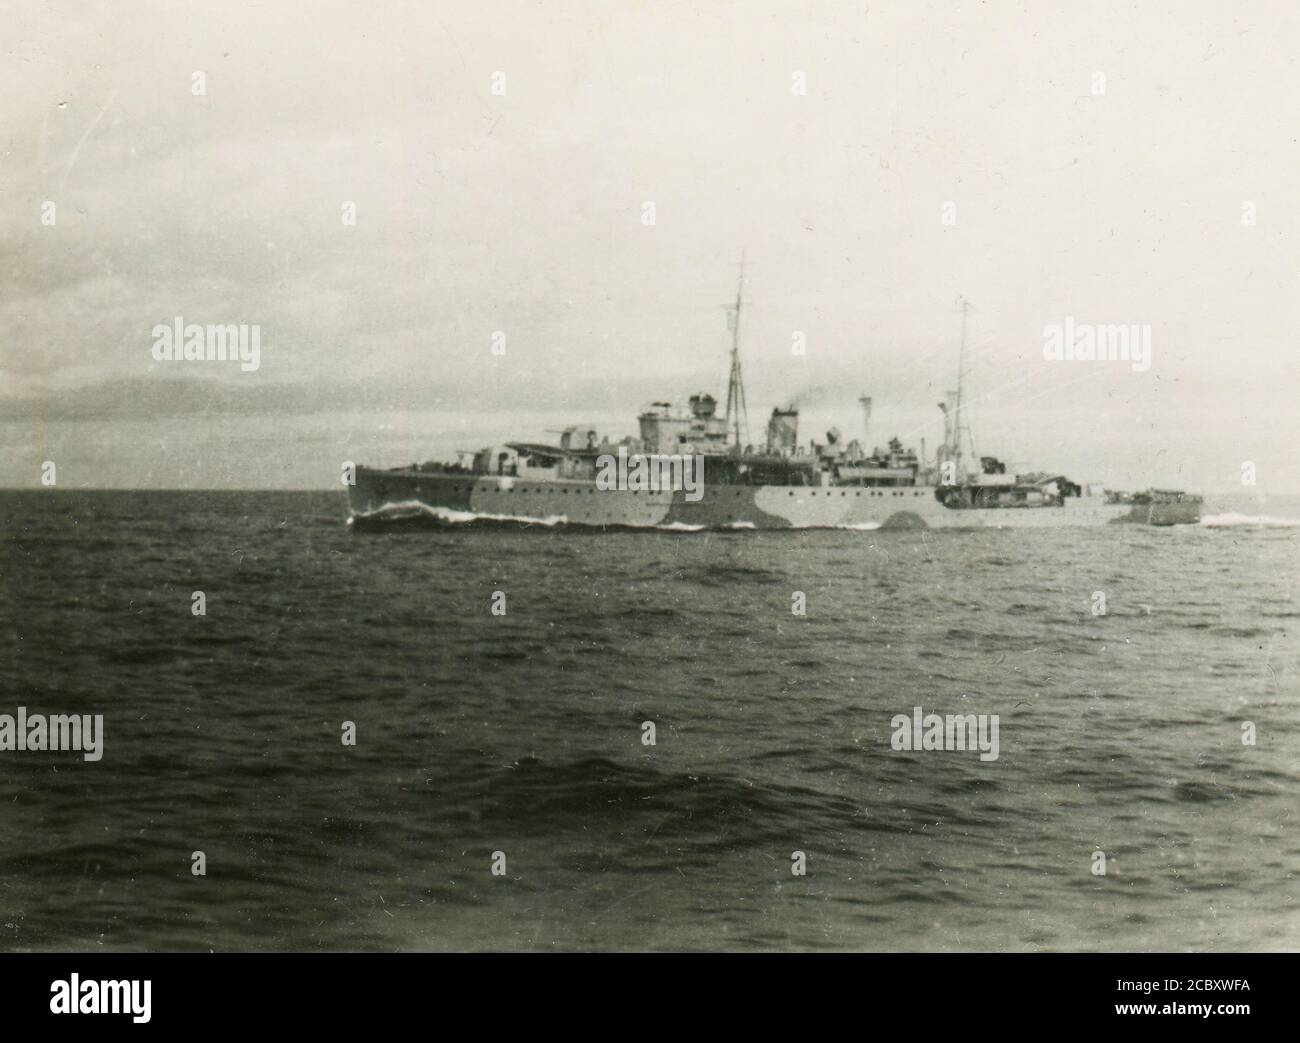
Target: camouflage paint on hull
[(451, 499)]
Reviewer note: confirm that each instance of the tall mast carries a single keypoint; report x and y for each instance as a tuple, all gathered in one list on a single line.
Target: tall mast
[(962, 436), (737, 413)]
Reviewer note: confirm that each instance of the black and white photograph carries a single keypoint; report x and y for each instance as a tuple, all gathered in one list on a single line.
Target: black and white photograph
[(629, 477)]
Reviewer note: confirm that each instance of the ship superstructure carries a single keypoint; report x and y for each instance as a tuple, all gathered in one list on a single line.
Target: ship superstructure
[(780, 483)]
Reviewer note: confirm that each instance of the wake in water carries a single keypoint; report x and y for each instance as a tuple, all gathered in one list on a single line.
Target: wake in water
[(413, 512), (1225, 521)]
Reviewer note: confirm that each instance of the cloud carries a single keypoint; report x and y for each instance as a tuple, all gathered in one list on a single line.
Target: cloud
[(521, 213)]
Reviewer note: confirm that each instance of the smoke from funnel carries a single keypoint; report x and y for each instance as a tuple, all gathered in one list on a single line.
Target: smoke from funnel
[(811, 396)]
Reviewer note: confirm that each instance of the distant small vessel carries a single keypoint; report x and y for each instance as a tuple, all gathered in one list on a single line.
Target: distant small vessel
[(778, 485)]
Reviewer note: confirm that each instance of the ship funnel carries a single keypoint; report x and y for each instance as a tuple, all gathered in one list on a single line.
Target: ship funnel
[(783, 431)]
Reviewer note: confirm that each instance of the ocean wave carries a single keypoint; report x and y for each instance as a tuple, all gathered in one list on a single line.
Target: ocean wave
[(723, 574), (1223, 521), (704, 812)]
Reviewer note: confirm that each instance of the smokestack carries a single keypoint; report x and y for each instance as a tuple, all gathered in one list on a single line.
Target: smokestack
[(783, 431)]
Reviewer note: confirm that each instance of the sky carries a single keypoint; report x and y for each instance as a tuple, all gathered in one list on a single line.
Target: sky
[(1102, 163)]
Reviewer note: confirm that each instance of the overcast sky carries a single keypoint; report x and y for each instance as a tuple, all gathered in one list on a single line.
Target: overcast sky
[(523, 212)]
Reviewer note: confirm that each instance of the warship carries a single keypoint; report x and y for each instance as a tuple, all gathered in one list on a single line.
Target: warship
[(780, 484)]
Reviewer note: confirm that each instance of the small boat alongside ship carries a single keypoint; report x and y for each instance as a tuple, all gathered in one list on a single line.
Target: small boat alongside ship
[(779, 484)]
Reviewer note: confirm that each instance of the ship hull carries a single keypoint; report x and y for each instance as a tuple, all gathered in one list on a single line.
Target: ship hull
[(380, 498)]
